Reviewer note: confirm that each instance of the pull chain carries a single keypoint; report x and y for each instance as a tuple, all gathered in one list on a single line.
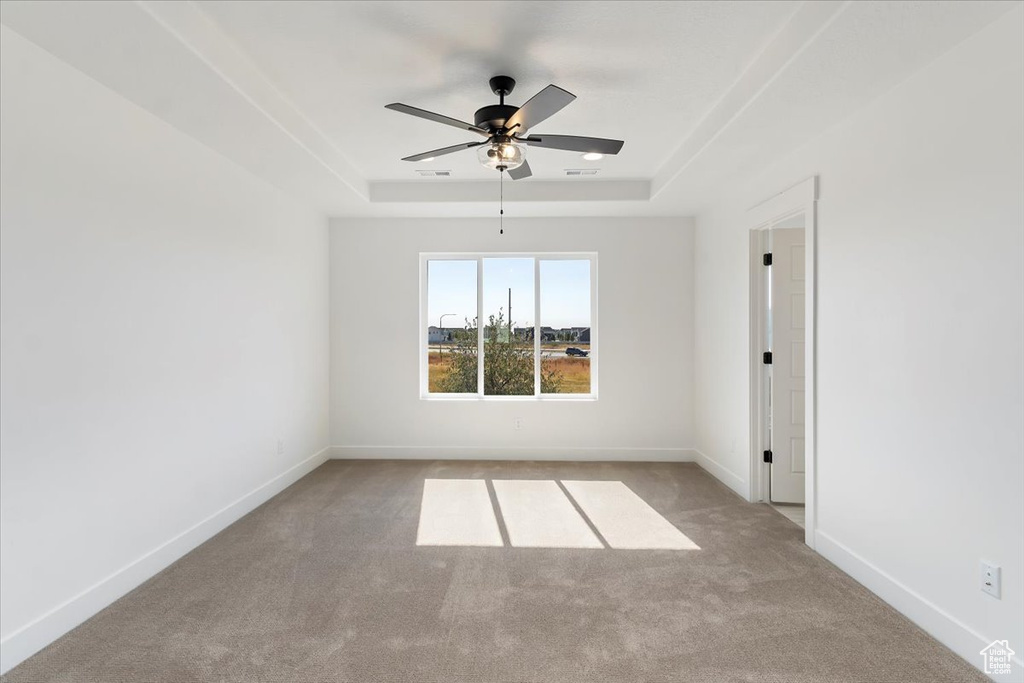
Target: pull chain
[(501, 202)]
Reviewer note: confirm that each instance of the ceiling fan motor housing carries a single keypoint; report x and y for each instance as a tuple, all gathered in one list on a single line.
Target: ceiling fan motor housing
[(493, 116)]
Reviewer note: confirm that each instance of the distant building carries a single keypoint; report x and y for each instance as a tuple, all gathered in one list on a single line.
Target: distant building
[(441, 335), (579, 335)]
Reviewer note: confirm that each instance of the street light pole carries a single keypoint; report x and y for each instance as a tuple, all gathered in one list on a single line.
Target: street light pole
[(440, 325)]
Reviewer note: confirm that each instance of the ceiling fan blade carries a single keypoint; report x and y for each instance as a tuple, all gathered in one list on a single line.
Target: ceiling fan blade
[(574, 143), (444, 150), (548, 101), (439, 118), (520, 172)]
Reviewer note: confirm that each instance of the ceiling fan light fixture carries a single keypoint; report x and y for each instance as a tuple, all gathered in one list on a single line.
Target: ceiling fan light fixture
[(507, 154), (593, 156)]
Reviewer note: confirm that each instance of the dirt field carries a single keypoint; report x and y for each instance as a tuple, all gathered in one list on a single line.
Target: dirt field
[(437, 369), (575, 371)]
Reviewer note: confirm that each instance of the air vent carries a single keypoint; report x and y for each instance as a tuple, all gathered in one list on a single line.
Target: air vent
[(581, 171), (434, 174)]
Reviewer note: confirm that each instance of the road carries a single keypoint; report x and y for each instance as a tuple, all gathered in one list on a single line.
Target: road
[(544, 353), (556, 353)]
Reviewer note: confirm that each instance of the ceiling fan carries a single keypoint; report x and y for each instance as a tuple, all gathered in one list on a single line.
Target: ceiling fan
[(505, 128)]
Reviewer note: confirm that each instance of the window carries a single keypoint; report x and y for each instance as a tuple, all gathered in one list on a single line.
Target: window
[(508, 325)]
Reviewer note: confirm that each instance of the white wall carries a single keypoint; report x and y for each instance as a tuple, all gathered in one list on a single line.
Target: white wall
[(164, 323), (645, 299), (920, 337)]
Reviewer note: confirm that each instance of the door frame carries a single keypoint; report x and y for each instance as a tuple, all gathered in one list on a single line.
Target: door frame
[(801, 198)]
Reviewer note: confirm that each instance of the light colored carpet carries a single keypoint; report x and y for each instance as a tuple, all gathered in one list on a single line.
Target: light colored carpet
[(326, 583)]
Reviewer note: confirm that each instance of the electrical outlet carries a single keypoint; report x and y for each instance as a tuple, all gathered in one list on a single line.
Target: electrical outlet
[(517, 423), (280, 447), (991, 579)]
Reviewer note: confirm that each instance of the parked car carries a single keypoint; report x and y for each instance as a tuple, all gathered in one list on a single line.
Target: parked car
[(573, 351)]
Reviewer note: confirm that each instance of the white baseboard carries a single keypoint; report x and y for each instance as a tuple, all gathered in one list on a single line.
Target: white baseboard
[(726, 476), (941, 625), (604, 454), (37, 634)]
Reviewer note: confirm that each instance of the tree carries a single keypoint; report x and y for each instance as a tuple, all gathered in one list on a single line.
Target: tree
[(508, 362), (461, 377)]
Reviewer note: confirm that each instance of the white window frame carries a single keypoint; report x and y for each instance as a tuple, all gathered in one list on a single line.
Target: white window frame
[(423, 336)]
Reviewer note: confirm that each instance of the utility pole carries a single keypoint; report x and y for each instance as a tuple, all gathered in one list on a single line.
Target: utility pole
[(440, 342), (510, 314)]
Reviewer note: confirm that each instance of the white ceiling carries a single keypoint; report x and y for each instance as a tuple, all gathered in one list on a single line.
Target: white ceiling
[(642, 72), (700, 91)]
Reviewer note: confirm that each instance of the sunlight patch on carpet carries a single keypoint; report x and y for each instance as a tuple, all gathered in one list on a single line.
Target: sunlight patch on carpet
[(624, 519), (457, 512), (538, 515), (543, 513)]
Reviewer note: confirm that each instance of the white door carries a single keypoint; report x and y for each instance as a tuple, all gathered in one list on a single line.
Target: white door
[(787, 368)]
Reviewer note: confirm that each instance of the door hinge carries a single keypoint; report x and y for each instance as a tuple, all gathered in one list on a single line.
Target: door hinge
[(768, 456), (767, 358), (767, 259)]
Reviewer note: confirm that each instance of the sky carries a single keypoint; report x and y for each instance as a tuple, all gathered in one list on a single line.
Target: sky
[(564, 290)]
